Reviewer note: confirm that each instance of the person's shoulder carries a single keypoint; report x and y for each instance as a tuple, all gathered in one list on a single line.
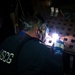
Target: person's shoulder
[(35, 43)]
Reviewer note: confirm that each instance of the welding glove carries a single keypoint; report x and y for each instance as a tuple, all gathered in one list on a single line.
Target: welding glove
[(58, 47)]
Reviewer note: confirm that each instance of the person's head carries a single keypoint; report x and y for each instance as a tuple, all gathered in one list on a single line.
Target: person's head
[(35, 27)]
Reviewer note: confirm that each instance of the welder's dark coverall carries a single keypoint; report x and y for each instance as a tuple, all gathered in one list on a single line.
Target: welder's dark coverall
[(34, 58)]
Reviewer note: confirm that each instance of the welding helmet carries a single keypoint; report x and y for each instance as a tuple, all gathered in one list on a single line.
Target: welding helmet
[(35, 21)]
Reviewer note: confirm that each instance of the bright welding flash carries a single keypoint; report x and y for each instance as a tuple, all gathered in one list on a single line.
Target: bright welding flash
[(55, 37)]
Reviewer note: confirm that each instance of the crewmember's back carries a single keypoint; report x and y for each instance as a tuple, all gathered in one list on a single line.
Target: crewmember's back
[(33, 58), (27, 55), (9, 52)]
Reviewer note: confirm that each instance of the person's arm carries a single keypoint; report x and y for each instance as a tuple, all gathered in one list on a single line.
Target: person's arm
[(53, 64), (47, 63), (56, 60)]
